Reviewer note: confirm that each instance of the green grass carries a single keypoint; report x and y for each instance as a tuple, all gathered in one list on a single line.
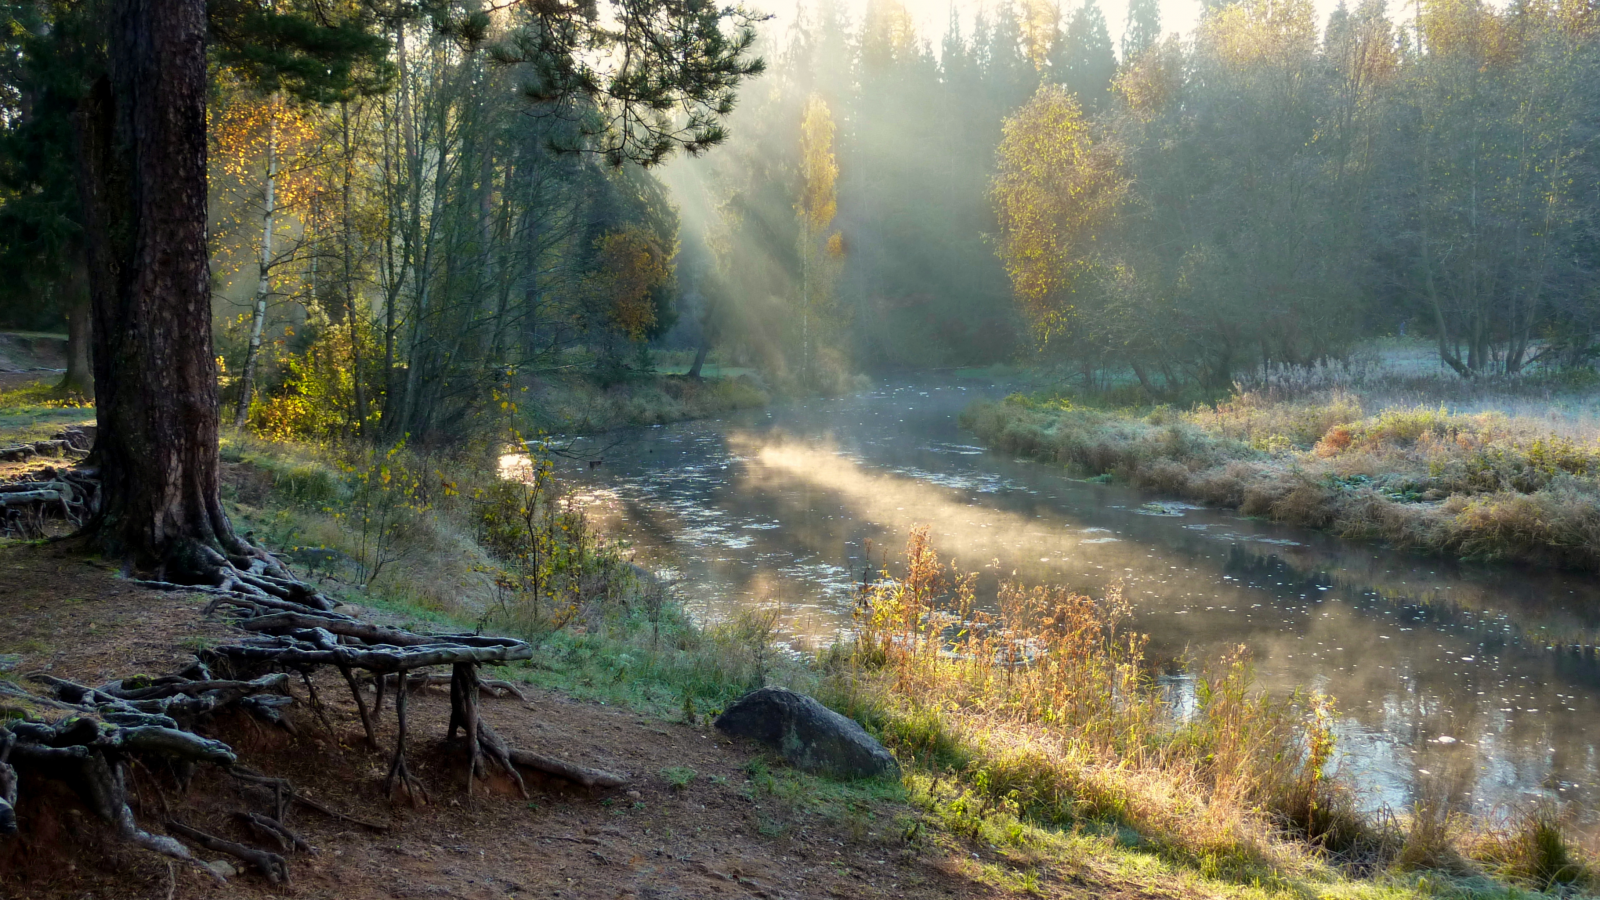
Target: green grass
[(36, 412), (678, 778), (1024, 857)]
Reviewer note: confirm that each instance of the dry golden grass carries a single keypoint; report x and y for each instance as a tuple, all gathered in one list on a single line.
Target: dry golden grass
[(1047, 711), (1481, 485)]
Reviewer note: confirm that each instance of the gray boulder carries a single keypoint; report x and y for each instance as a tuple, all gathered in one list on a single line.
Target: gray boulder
[(809, 735)]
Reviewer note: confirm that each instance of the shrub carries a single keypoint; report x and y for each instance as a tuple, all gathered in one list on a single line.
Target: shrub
[(1533, 848), (548, 564)]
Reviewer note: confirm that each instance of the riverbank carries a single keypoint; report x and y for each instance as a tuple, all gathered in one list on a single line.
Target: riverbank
[(1006, 791), (583, 404), (994, 756), (1464, 471)]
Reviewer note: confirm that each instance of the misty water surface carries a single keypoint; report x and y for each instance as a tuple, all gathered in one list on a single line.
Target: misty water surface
[(1481, 680)]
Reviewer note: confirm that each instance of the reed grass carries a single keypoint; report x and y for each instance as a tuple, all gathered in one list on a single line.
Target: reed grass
[(1041, 709), (1047, 708)]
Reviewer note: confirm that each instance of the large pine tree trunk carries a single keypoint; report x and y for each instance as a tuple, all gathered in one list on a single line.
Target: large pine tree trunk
[(143, 154)]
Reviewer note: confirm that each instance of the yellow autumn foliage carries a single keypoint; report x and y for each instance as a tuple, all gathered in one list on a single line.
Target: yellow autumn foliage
[(631, 266), (1056, 189)]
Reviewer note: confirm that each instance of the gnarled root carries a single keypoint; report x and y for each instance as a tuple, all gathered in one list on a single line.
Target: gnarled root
[(289, 628), (270, 864), (279, 832), (494, 687), (66, 494), (571, 772), (464, 712), (399, 773), (481, 740)]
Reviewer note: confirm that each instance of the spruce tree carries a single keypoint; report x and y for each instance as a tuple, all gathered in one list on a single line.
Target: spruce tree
[(1144, 28), (1084, 60)]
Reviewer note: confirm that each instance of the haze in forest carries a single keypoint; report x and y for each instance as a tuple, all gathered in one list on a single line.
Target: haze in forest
[(355, 292), (1154, 192)]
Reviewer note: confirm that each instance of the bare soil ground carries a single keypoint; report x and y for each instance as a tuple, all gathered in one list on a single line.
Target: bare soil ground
[(26, 357), (718, 836)]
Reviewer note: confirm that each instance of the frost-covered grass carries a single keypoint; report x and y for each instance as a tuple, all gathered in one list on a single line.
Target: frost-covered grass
[(1373, 448)]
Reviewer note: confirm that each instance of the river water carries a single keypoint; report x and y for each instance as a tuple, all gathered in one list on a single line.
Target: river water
[(1482, 682)]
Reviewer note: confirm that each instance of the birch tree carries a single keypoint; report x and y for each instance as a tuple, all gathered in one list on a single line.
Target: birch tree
[(818, 203)]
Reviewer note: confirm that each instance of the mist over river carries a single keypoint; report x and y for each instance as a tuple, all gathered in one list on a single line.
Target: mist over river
[(1479, 680)]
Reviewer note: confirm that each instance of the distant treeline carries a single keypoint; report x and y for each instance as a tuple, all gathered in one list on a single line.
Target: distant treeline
[(1268, 190)]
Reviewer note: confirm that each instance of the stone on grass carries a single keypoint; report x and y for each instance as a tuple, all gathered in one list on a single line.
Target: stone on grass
[(810, 736)]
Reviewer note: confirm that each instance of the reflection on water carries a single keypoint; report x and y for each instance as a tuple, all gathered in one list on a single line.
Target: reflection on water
[(1483, 681)]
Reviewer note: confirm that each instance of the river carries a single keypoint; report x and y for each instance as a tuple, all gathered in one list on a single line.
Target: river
[(1480, 681)]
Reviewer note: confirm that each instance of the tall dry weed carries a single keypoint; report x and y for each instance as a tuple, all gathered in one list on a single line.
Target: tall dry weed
[(1057, 704), (1534, 847)]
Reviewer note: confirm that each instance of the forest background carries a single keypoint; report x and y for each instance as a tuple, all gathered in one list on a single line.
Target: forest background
[(1268, 188)]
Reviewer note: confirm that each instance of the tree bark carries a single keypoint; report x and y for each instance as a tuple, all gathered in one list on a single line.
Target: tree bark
[(348, 251), (143, 157), (79, 380), (700, 357)]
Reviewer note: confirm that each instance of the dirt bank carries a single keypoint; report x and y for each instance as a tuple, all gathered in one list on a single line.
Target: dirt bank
[(703, 816)]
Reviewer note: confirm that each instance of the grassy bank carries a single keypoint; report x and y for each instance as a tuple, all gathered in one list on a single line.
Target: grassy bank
[(584, 404), (1478, 470), (448, 537), (1043, 718), (1037, 735), (1039, 754), (35, 411)]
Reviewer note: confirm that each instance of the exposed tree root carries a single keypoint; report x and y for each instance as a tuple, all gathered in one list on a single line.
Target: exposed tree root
[(569, 771), (464, 712), (399, 773), (491, 686), (270, 864), (361, 705), (276, 830), (287, 627), (71, 495)]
